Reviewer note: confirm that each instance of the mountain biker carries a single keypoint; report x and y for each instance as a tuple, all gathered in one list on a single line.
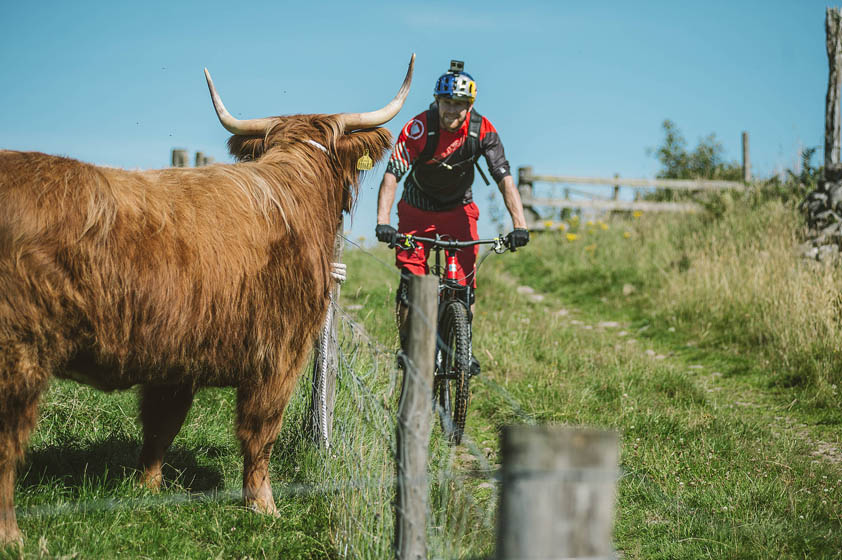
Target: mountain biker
[(437, 197)]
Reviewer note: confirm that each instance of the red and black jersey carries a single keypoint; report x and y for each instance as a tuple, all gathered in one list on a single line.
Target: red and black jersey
[(445, 180)]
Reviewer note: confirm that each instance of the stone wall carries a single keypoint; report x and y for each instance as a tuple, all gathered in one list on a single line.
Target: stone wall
[(823, 212)]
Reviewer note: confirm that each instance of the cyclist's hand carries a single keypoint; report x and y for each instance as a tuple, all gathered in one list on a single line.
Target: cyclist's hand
[(386, 234), (517, 238)]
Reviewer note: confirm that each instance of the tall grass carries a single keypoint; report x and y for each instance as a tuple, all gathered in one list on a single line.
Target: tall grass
[(732, 279), (744, 282)]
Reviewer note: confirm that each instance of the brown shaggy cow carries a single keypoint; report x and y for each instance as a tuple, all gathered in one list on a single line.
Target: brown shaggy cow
[(175, 279)]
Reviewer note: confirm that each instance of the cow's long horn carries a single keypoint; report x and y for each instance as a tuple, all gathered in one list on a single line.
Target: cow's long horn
[(232, 125), (376, 118)]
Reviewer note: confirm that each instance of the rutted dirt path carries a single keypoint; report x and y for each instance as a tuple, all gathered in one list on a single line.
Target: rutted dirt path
[(723, 392)]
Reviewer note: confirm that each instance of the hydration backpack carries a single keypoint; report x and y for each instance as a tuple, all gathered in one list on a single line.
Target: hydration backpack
[(433, 138)]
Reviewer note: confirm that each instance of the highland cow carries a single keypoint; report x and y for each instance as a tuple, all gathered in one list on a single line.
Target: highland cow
[(176, 279)]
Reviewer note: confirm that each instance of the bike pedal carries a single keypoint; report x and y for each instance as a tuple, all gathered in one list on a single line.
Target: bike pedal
[(475, 368)]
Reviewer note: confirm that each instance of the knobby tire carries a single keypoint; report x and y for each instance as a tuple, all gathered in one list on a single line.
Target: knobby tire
[(452, 394)]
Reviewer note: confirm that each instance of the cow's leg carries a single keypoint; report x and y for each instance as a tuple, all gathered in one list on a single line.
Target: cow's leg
[(9, 532), (162, 412), (22, 380), (259, 414)]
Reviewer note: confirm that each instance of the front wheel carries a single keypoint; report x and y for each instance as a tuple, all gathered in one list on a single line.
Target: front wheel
[(453, 363)]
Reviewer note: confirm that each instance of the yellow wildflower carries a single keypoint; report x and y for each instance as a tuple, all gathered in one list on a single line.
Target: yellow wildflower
[(562, 226), (589, 223), (626, 234), (603, 226), (548, 224), (591, 247), (572, 237), (637, 213)]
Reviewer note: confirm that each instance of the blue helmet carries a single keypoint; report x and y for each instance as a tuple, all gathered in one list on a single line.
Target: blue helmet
[(456, 85)]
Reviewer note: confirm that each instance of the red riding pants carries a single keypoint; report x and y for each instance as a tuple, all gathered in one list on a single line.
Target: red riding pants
[(459, 223)]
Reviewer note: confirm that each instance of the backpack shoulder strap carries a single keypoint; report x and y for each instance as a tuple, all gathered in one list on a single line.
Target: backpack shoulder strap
[(473, 139), (432, 134), (473, 133)]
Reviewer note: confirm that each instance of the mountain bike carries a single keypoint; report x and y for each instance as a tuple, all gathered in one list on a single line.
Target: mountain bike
[(454, 364)]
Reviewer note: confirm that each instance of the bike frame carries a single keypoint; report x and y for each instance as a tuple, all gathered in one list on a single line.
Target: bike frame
[(449, 287), (451, 386)]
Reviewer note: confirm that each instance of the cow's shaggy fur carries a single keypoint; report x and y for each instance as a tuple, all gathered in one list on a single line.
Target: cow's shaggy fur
[(172, 279)]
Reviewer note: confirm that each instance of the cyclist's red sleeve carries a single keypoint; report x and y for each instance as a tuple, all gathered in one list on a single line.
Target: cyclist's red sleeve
[(409, 146)]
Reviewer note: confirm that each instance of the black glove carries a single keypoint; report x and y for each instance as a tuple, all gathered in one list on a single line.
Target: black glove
[(386, 234), (517, 238)]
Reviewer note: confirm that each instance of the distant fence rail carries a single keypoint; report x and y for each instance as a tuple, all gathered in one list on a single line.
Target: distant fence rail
[(678, 184), (601, 202)]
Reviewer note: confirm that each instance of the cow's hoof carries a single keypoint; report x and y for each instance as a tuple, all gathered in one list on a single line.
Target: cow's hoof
[(10, 538), (151, 480), (266, 507)]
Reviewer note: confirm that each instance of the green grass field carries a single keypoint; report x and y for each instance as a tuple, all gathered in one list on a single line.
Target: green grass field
[(704, 342)]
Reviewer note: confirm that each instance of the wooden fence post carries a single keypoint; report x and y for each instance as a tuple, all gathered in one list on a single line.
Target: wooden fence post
[(557, 493), (179, 157), (319, 423), (833, 28), (414, 421), (746, 159), (524, 187)]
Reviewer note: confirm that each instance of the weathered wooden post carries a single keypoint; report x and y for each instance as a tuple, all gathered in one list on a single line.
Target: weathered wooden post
[(833, 27), (557, 493), (616, 193), (746, 159), (524, 181), (414, 420), (524, 187), (325, 364), (179, 157)]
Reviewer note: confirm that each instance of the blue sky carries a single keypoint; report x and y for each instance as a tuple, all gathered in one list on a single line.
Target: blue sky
[(575, 88)]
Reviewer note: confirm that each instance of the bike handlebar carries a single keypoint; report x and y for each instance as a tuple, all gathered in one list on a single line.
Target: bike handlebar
[(404, 241)]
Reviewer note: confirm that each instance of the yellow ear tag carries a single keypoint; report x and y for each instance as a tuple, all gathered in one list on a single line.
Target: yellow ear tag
[(364, 163)]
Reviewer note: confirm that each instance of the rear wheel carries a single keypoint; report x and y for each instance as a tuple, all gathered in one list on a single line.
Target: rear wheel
[(453, 363)]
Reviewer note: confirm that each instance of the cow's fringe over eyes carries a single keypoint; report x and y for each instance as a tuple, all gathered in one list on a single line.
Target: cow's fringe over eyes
[(291, 135)]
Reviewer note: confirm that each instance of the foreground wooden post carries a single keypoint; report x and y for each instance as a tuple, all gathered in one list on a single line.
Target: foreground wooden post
[(833, 27), (557, 493), (414, 419), (325, 364)]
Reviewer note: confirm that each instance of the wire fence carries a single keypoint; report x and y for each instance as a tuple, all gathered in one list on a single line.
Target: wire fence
[(461, 517)]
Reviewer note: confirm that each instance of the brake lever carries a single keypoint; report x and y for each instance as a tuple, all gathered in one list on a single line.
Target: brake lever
[(407, 244), (500, 246)]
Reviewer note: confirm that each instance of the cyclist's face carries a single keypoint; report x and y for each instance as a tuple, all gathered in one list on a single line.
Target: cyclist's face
[(452, 113)]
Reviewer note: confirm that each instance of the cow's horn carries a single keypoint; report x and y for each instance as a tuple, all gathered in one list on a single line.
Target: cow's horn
[(232, 125), (376, 118)]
